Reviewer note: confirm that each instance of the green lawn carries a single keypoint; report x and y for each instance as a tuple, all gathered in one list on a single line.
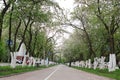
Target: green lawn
[(115, 75), (7, 70)]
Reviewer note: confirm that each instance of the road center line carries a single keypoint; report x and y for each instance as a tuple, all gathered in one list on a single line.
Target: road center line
[(51, 74)]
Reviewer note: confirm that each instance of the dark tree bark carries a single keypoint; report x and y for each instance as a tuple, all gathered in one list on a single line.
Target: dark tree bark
[(2, 14), (70, 63), (10, 28), (36, 33), (23, 36), (15, 35), (30, 39), (90, 48)]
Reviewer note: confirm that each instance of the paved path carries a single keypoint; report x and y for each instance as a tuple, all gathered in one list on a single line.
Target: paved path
[(59, 72)]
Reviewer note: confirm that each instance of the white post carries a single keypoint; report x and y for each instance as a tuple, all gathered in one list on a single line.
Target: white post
[(30, 61), (34, 61), (89, 63), (46, 62), (86, 63), (24, 61), (95, 64), (83, 64)]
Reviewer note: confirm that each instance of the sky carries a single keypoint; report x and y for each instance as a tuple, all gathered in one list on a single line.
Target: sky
[(1, 4), (67, 5)]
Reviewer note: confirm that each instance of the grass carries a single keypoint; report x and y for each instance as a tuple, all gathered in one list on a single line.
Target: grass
[(8, 71), (115, 74)]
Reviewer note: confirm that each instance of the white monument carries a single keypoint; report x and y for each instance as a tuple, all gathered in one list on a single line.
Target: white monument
[(21, 53), (77, 63), (95, 64), (82, 64), (102, 63), (86, 64), (89, 63), (22, 50)]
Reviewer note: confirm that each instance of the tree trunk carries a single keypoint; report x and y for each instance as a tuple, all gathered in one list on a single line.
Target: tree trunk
[(15, 35), (30, 61), (34, 62), (70, 64), (35, 41), (111, 43), (10, 28), (30, 40), (112, 62), (13, 60), (23, 36), (90, 48), (24, 61), (2, 17)]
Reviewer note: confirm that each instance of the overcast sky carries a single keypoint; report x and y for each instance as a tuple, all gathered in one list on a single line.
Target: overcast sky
[(1, 4), (68, 5)]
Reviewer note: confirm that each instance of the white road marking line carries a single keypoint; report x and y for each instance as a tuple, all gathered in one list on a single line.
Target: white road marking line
[(51, 74)]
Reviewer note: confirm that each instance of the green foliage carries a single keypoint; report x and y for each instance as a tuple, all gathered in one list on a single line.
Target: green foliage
[(3, 52), (74, 49), (38, 12)]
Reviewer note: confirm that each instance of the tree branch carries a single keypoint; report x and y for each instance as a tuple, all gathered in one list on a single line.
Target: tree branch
[(5, 3), (100, 16)]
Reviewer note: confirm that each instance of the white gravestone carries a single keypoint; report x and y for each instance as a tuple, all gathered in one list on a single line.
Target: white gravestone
[(89, 63), (77, 63), (102, 63), (86, 64), (82, 64), (95, 64)]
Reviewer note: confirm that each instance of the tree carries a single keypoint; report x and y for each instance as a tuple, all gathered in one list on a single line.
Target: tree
[(2, 14), (98, 25), (107, 12), (24, 21)]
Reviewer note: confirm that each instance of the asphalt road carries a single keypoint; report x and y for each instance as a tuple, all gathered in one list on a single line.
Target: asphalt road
[(59, 72)]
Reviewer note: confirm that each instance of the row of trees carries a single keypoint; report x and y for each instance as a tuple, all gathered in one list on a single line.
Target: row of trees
[(97, 27), (28, 22)]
